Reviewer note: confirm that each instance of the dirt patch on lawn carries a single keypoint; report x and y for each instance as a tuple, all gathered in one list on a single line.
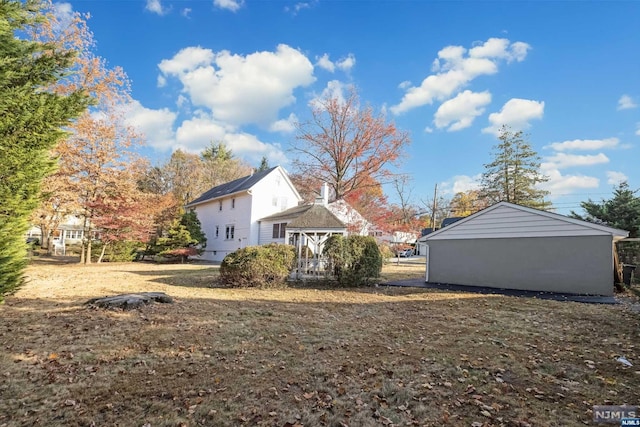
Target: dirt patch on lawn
[(303, 356)]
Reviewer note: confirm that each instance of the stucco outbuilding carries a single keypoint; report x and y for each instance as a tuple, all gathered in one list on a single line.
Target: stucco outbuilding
[(515, 247)]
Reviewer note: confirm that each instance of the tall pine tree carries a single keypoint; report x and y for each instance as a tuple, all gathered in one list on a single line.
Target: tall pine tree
[(513, 174), (31, 121)]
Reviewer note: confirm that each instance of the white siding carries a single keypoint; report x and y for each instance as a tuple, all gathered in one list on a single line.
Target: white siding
[(211, 216), (266, 232), (275, 186), (509, 222), (249, 207)]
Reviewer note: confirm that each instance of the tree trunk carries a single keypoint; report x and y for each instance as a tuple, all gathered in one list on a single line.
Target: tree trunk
[(82, 248), (88, 258), (44, 237), (104, 246)]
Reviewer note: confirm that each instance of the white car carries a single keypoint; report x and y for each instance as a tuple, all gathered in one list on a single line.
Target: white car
[(405, 253)]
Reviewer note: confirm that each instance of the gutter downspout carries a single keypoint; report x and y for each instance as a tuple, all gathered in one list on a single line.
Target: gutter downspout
[(426, 274)]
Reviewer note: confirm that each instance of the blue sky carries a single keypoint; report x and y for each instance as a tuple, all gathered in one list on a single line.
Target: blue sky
[(449, 73)]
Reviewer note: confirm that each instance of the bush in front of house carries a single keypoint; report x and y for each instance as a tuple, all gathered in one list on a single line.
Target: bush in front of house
[(355, 259), (265, 266)]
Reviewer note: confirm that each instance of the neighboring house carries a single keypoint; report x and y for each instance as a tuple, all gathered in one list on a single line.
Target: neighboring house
[(230, 213), (516, 247), (356, 223), (69, 232), (402, 238)]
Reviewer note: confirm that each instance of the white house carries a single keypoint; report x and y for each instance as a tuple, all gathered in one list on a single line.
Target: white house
[(230, 213)]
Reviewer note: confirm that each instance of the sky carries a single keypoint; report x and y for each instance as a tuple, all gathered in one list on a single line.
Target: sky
[(448, 72)]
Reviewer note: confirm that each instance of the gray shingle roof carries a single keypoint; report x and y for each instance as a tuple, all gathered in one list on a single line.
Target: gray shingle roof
[(235, 186), (308, 216), (287, 214), (318, 216)]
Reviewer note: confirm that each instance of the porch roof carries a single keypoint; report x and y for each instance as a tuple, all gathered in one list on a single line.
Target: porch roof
[(314, 216)]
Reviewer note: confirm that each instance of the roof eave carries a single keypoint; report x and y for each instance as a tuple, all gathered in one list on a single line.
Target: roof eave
[(192, 204)]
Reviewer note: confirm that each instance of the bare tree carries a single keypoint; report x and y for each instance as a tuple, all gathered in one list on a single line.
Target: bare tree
[(347, 146)]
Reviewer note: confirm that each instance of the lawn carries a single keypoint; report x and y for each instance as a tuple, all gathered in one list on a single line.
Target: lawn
[(304, 356)]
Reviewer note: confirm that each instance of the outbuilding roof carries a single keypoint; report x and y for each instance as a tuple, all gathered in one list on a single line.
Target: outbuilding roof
[(313, 216), (508, 220)]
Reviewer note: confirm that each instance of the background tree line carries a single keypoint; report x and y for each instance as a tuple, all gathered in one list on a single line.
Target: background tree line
[(67, 150)]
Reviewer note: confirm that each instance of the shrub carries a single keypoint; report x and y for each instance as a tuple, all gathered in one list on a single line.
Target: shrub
[(386, 252), (124, 251), (355, 259), (258, 266)]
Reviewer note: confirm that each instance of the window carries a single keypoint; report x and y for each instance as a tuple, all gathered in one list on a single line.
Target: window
[(217, 231), (274, 201), (73, 234), (220, 205), (230, 232), (279, 230), (233, 203)]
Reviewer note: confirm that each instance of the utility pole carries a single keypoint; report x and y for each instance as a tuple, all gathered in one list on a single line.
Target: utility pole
[(435, 206)]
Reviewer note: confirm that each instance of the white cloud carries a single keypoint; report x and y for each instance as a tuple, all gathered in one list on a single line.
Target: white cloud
[(455, 68), (459, 112), (346, 64), (240, 89), (460, 184), (64, 15), (405, 84), (182, 101), (563, 160), (187, 60), (156, 7), (516, 113), (559, 184), (156, 125), (186, 12), (428, 130), (334, 89), (585, 144), (615, 178), (501, 49), (195, 134), (325, 63), (162, 81), (287, 125), (638, 129), (232, 5), (300, 6), (626, 103), (463, 183)]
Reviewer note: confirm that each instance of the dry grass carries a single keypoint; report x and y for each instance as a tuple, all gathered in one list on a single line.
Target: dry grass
[(375, 356)]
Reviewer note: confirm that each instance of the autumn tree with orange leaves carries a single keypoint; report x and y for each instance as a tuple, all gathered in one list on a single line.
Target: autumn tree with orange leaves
[(96, 162), (347, 146)]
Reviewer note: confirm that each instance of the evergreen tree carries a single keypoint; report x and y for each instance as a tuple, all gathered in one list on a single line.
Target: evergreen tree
[(31, 121), (513, 174), (191, 222), (264, 164), (622, 211)]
